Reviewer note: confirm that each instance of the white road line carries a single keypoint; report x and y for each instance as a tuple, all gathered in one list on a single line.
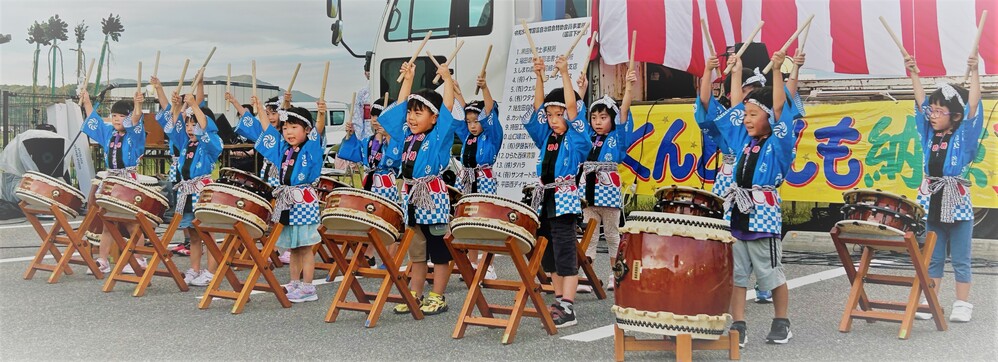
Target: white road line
[(607, 331), (26, 258), (46, 225)]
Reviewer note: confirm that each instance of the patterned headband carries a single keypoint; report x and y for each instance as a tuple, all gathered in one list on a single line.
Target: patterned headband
[(949, 92), (425, 102), (283, 114), (378, 106), (606, 101), (473, 108), (763, 106), (758, 77), (559, 104)]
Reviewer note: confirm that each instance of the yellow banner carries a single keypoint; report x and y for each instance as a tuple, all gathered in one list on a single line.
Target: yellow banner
[(870, 144)]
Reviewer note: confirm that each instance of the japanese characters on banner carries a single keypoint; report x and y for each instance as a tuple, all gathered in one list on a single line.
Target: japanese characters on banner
[(843, 146), (516, 165)]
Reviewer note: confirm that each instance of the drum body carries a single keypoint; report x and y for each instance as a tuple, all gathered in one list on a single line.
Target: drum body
[(674, 275), (489, 220), (353, 211), (41, 191), (222, 206), (246, 181), (121, 197), (325, 185), (876, 207), (684, 200), (96, 228)]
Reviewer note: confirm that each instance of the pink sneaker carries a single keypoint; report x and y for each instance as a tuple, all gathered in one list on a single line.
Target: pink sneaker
[(286, 257)]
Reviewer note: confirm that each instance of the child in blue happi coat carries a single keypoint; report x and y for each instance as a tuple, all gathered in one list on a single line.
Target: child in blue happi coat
[(762, 127), (297, 152), (949, 123), (423, 121), (557, 126), (200, 148), (598, 179), (124, 143), (379, 152)]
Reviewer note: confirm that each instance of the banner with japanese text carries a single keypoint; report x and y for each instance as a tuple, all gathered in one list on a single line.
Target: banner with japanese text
[(872, 144)]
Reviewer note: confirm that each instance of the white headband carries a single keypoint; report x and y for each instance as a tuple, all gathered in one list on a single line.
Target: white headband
[(758, 77), (763, 106), (283, 115), (608, 102), (425, 102), (949, 92), (559, 104), (378, 106), (473, 108)]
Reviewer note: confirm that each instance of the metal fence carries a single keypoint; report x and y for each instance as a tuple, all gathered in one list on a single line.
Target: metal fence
[(23, 111)]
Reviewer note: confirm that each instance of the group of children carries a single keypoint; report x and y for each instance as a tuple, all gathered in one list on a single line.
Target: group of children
[(410, 138)]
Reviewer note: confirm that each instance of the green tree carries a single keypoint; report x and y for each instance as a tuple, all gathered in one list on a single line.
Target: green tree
[(112, 29), (80, 32), (37, 36), (57, 30)]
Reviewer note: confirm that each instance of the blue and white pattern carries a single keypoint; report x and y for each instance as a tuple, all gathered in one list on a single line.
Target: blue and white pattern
[(964, 210), (440, 214), (489, 141), (384, 185), (959, 156), (573, 151), (133, 147), (607, 192), (569, 203), (306, 169)]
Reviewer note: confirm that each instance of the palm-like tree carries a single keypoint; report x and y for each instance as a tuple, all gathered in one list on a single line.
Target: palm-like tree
[(80, 32), (57, 30), (112, 29), (37, 36), (4, 38)]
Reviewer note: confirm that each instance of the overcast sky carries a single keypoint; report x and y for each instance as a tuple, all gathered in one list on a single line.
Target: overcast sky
[(277, 34)]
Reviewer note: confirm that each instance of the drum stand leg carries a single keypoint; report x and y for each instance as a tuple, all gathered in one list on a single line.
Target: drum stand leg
[(224, 256), (919, 285), (389, 276), (683, 345), (258, 261), (586, 264), (73, 239), (261, 267), (329, 263), (525, 289), (135, 245)]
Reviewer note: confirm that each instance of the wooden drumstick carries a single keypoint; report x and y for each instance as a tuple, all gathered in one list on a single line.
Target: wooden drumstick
[(592, 45), (800, 47), (790, 41), (745, 45), (571, 48), (634, 43), (977, 42), (353, 103), (183, 75), (90, 70), (254, 77), (287, 102), (416, 54), (488, 53), (155, 68), (453, 54), (325, 75), (385, 101), (210, 54), (897, 42), (198, 78), (530, 40), (710, 43), (228, 83), (138, 80)]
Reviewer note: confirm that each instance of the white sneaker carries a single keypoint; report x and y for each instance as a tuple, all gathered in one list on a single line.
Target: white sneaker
[(490, 274), (611, 282), (920, 315), (285, 257), (189, 275), (103, 266), (961, 311), (203, 279), (584, 288), (128, 267)]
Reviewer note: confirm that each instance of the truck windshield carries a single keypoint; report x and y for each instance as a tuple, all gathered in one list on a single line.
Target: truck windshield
[(413, 18)]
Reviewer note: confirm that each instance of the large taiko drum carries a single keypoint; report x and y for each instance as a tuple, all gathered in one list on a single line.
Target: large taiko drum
[(350, 210), (222, 206), (879, 212), (326, 184), (684, 200), (41, 191), (96, 228), (244, 180), (489, 220), (121, 197), (674, 275)]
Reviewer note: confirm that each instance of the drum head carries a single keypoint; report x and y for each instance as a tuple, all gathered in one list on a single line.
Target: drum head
[(501, 201), (697, 227), (485, 231), (855, 196), (339, 220), (662, 191), (141, 179), (39, 201), (867, 228), (126, 208), (225, 217)]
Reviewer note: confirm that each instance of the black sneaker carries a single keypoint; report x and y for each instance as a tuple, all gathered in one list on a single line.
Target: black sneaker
[(740, 327), (563, 317), (779, 332)]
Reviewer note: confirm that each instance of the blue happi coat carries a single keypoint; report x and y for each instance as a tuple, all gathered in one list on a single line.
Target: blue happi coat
[(773, 163), (432, 159), (607, 191), (246, 130), (489, 143), (209, 148), (572, 152), (306, 169), (133, 141), (385, 170), (961, 151), (705, 117)]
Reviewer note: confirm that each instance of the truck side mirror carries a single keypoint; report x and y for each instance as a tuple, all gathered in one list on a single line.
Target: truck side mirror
[(337, 35), (331, 10)]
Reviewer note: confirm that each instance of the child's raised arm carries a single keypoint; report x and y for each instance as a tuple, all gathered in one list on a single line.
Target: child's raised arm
[(975, 87), (539, 84), (137, 108), (459, 96), (489, 102), (798, 63), (571, 108), (705, 83), (779, 96), (736, 80), (85, 102), (408, 70), (449, 86), (625, 104), (240, 110), (320, 118), (916, 84), (200, 116), (160, 93)]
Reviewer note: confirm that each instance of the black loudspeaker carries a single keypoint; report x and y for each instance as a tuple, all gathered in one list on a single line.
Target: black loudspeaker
[(46, 152), (756, 55)]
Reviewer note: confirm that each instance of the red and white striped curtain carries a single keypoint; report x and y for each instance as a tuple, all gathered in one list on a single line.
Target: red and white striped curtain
[(846, 36)]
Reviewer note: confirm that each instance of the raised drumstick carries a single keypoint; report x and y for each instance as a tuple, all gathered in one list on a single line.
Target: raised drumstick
[(228, 83), (571, 48), (634, 43), (183, 74), (488, 53), (155, 68), (897, 41), (710, 44), (803, 40), (90, 70), (453, 54), (138, 80), (287, 102), (745, 45), (254, 77), (977, 42), (533, 48), (592, 45), (210, 54), (416, 54), (790, 41), (325, 75)]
